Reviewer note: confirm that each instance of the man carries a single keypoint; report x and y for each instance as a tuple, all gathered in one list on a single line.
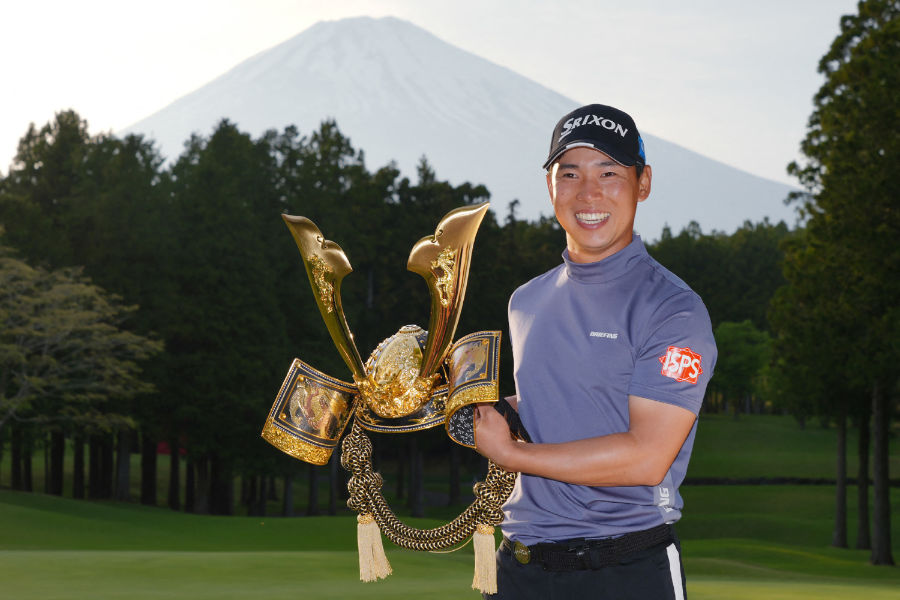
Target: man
[(612, 356)]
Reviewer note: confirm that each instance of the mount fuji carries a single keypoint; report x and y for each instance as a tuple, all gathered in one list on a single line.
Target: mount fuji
[(400, 93)]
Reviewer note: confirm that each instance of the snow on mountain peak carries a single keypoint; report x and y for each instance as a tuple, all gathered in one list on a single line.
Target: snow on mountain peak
[(399, 92)]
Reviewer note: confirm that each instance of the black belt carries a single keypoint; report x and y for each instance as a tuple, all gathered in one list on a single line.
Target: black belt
[(580, 554)]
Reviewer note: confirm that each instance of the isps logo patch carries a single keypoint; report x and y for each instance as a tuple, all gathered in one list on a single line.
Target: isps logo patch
[(681, 364)]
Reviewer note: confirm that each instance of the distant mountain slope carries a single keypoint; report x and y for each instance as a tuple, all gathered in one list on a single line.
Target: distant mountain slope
[(400, 93)]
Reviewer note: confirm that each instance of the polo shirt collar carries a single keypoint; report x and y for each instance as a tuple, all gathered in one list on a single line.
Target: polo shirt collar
[(611, 267)]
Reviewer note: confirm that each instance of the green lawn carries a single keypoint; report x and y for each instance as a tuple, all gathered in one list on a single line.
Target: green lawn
[(772, 446), (740, 542)]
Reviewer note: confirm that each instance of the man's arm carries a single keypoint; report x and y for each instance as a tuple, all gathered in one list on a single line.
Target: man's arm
[(640, 456)]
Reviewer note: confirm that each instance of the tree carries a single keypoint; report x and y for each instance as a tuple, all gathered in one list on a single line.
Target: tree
[(743, 352), (812, 319), (225, 331), (37, 195), (72, 199), (852, 203), (736, 275), (65, 360)]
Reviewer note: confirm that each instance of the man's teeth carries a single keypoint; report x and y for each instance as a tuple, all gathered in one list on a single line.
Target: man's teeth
[(592, 218)]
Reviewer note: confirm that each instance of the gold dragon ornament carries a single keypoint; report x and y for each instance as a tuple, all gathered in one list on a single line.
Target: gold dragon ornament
[(413, 380)]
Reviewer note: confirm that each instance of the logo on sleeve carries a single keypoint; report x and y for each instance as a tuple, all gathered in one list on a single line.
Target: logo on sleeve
[(681, 364)]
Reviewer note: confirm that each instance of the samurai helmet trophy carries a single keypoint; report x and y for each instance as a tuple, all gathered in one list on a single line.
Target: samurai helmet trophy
[(414, 380)]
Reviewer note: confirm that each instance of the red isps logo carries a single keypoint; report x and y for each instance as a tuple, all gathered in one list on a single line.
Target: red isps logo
[(681, 364)]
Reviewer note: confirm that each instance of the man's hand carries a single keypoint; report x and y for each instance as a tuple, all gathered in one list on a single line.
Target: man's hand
[(493, 438)]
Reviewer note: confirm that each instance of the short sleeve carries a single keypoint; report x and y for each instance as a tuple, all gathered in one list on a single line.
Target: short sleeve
[(676, 356)]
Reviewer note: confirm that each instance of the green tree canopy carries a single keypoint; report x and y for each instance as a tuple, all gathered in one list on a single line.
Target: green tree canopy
[(743, 352), (64, 357), (852, 203)]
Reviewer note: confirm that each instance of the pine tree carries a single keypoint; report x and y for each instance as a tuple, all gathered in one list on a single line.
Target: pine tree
[(853, 209)]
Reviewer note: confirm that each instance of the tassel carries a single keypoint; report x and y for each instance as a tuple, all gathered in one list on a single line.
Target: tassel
[(485, 579), (373, 564)]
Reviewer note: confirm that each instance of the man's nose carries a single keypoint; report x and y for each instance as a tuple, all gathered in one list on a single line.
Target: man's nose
[(590, 190)]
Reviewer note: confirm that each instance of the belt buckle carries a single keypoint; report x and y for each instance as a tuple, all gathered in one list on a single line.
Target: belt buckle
[(521, 552)]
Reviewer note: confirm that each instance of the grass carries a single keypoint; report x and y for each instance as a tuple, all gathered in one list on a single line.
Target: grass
[(58, 548), (740, 542), (223, 575), (771, 446)]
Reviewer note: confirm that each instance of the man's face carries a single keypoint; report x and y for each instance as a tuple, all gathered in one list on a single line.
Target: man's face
[(595, 199)]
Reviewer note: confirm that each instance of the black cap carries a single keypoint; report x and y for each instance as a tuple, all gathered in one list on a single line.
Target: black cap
[(602, 127)]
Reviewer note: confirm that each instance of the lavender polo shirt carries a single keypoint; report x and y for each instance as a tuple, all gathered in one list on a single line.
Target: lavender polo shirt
[(584, 338)]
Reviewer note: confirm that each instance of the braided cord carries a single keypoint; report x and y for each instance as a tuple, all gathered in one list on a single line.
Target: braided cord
[(366, 498)]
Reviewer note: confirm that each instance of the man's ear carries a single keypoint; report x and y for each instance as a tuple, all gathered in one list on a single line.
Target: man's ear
[(644, 183), (550, 184)]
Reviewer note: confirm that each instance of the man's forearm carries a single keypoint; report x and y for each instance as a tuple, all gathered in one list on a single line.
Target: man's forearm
[(640, 456), (612, 460)]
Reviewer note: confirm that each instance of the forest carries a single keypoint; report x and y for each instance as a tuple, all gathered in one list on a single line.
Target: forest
[(167, 302)]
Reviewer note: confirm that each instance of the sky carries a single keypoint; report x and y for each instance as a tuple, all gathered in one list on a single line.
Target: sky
[(730, 79)]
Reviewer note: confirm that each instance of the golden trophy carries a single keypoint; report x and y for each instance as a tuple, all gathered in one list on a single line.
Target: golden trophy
[(414, 380)]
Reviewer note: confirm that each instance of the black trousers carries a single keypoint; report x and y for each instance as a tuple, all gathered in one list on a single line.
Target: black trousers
[(652, 574)]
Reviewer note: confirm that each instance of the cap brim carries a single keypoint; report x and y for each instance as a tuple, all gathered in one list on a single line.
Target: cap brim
[(625, 161)]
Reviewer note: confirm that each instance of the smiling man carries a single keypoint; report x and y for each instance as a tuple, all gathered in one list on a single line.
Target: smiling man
[(612, 357)]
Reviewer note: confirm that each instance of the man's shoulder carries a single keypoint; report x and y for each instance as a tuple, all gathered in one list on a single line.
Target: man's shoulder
[(538, 284), (657, 274), (661, 292)]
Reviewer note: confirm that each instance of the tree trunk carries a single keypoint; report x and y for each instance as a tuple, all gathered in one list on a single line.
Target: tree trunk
[(221, 487), (148, 469), (272, 493), (174, 499), (46, 443), (377, 456), (27, 452), (287, 507), (881, 538), (312, 507), (189, 486), (201, 495), (57, 454), (262, 496), (123, 466), (94, 484), (411, 488), (215, 486), (246, 490), (839, 535), (418, 508), (863, 539), (401, 475), (15, 457), (78, 466), (453, 497), (107, 465), (248, 493), (416, 480), (333, 479)]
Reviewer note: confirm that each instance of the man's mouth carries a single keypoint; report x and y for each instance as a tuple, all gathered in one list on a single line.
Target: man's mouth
[(591, 218)]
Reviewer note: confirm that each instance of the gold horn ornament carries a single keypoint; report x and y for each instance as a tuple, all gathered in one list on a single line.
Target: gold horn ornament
[(413, 380)]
